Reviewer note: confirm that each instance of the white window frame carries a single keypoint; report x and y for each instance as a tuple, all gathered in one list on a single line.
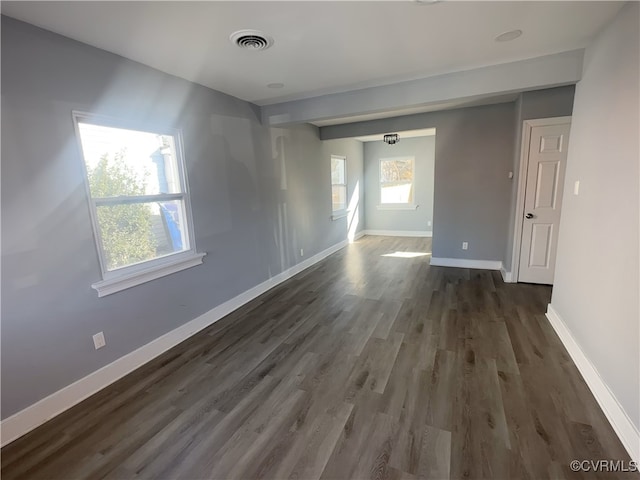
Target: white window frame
[(135, 274), (342, 212), (411, 205)]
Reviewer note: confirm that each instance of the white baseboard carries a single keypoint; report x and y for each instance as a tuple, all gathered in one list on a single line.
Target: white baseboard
[(618, 418), (358, 236), (466, 263), (35, 415), (399, 233), (507, 277)]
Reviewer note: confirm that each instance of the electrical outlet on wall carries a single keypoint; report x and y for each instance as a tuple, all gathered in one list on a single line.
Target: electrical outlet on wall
[(465, 245), (302, 252), (428, 223), (98, 340)]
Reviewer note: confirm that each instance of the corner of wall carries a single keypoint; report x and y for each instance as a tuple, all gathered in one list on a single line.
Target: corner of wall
[(615, 413)]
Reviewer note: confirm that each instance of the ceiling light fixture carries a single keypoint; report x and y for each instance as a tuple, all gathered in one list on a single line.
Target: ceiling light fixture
[(275, 85), (391, 138), (508, 36), (251, 39)]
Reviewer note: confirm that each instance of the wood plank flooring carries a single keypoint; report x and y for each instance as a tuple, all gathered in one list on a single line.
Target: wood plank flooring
[(363, 366)]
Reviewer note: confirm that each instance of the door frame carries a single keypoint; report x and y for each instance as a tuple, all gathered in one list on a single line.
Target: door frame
[(527, 126)]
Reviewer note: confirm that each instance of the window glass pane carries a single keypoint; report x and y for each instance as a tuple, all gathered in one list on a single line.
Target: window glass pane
[(339, 197), (136, 232), (338, 173), (128, 162), (396, 180), (396, 170), (401, 193)]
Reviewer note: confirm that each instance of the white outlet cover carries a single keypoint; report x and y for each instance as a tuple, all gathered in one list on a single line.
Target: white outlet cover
[(98, 340), (465, 245), (576, 187)]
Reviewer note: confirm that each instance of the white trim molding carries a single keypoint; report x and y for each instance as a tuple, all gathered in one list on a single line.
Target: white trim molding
[(507, 277), (399, 233), (40, 412), (618, 418), (116, 284), (357, 236), (339, 214), (466, 263), (397, 206)]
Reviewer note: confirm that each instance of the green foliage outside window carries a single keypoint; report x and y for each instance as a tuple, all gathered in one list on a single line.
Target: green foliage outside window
[(126, 229)]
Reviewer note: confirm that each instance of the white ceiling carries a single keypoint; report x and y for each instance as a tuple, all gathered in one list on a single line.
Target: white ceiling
[(320, 47)]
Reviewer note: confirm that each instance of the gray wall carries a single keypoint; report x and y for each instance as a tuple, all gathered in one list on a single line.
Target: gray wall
[(474, 153), (258, 196), (547, 103), (596, 285), (550, 102), (423, 149)]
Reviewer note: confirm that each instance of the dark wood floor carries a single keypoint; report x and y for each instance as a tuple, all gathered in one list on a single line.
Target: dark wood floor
[(363, 366)]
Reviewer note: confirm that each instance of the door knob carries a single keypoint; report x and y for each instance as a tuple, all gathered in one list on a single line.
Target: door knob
[(529, 215)]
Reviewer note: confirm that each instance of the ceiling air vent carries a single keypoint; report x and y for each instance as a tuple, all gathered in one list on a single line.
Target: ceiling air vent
[(251, 39)]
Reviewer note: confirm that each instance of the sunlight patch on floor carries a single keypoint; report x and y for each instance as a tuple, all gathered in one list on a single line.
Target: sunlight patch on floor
[(406, 254)]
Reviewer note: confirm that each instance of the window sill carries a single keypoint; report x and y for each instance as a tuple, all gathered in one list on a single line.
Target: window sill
[(339, 214), (398, 206), (113, 285)]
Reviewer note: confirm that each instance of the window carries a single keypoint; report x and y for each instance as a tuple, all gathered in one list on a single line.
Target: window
[(396, 182), (138, 201), (338, 184)]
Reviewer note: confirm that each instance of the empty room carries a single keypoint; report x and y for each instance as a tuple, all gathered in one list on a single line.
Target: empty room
[(320, 240)]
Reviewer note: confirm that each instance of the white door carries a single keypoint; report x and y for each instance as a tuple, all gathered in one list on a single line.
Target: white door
[(543, 199)]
